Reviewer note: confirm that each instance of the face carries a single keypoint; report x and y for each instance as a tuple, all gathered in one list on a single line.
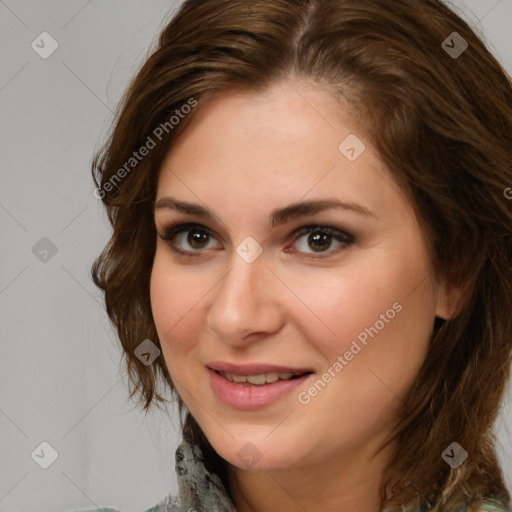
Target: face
[(339, 292)]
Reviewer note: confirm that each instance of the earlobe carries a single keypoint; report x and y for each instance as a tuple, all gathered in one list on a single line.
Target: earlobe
[(450, 300)]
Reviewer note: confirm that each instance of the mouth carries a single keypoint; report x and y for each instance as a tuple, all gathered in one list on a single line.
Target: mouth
[(252, 369), (252, 387), (261, 379)]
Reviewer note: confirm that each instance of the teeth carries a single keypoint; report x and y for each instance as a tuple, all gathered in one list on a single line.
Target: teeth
[(258, 380), (269, 377)]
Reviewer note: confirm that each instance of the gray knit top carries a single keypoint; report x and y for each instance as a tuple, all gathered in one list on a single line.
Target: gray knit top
[(200, 490)]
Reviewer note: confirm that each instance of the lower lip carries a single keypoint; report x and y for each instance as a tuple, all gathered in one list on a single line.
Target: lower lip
[(252, 397)]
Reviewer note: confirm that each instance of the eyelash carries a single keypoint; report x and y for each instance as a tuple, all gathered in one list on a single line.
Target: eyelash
[(176, 228)]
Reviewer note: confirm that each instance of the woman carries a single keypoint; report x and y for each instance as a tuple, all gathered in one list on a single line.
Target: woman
[(311, 248)]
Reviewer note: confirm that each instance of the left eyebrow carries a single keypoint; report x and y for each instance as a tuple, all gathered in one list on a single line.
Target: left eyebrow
[(277, 216)]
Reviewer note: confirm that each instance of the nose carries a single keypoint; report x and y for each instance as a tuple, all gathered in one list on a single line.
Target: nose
[(246, 305)]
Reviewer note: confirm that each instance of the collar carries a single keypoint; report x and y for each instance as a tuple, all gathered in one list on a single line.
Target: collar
[(199, 489)]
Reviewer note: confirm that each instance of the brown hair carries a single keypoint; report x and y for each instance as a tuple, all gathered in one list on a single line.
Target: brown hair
[(442, 124)]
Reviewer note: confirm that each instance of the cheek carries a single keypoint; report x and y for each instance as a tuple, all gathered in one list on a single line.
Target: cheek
[(177, 296), (342, 303), (380, 308), (171, 297), (164, 290), (331, 308)]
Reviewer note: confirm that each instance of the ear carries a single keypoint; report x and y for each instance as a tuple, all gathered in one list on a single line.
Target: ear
[(451, 297)]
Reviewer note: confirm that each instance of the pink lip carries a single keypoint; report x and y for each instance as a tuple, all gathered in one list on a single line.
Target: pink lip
[(252, 397), (253, 369)]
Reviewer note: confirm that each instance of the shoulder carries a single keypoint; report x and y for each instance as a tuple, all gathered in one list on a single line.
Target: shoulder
[(488, 505), (168, 504), (491, 505), (484, 505)]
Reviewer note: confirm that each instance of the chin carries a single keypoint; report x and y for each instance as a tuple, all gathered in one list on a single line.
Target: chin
[(255, 453)]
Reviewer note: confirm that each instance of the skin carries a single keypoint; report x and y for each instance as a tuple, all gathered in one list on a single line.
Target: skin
[(243, 155)]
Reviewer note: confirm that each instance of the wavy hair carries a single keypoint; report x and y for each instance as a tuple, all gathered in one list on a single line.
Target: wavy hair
[(441, 123)]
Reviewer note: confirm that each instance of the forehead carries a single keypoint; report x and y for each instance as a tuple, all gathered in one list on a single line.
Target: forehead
[(274, 147)]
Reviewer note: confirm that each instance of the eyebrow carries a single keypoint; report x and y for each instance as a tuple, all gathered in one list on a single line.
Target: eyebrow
[(277, 216)]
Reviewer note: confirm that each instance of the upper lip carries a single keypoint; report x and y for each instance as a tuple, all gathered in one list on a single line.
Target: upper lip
[(254, 368)]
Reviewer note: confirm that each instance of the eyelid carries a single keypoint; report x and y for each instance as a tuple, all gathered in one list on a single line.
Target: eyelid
[(171, 230), (324, 228)]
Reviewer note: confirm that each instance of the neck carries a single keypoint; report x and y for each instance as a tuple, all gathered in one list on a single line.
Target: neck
[(343, 483)]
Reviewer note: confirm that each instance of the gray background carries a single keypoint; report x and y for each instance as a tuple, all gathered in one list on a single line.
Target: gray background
[(59, 370)]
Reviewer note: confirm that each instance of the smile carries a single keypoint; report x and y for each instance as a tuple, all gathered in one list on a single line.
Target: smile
[(251, 392), (259, 379)]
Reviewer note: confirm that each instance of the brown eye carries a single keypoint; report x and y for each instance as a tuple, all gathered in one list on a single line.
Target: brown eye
[(320, 239), (191, 239), (197, 238), (187, 238)]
